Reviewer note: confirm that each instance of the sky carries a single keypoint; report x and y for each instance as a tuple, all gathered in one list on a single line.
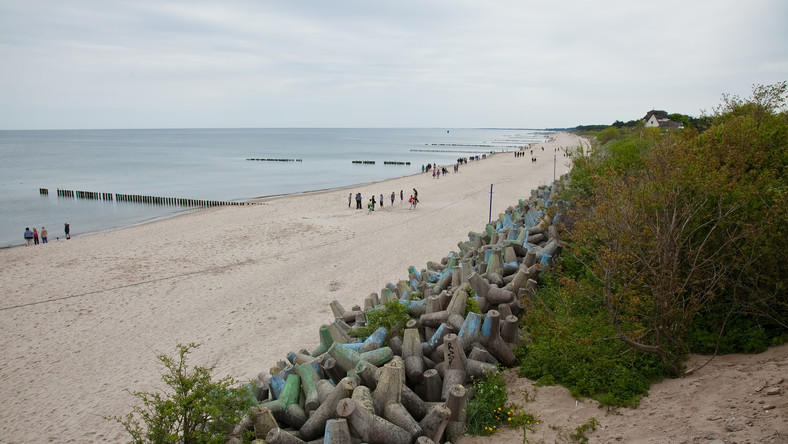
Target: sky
[(97, 64)]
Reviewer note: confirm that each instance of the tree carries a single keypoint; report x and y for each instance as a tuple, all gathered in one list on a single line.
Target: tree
[(765, 101), (195, 409)]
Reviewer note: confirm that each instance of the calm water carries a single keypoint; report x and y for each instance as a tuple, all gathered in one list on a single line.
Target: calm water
[(205, 164)]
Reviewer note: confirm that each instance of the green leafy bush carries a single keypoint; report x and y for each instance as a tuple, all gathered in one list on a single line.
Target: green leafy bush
[(488, 411), (573, 344), (393, 316), (192, 409), (489, 399)]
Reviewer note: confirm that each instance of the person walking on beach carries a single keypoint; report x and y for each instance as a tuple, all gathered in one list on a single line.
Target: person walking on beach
[(349, 199), (381, 201), (67, 229), (373, 202), (415, 197), (371, 205), (43, 235), (358, 201), (393, 196), (401, 196), (35, 236), (28, 236)]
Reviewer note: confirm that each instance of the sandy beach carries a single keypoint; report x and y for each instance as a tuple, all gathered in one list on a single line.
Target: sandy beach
[(83, 319)]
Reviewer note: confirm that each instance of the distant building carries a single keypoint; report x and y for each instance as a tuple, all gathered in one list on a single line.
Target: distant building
[(659, 119)]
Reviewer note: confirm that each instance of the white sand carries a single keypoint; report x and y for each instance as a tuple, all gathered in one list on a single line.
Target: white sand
[(82, 320)]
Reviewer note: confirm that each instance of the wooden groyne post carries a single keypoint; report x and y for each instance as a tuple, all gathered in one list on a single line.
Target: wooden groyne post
[(141, 199)]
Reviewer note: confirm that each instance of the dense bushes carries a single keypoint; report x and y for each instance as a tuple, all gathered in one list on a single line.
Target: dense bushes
[(676, 242), (574, 344)]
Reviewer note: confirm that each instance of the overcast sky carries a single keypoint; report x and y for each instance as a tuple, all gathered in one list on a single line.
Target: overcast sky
[(366, 63)]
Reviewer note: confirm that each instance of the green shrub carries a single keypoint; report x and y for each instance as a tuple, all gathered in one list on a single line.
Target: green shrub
[(471, 306), (393, 316), (488, 411), (742, 334), (579, 435), (489, 399), (573, 344), (607, 134), (192, 409)]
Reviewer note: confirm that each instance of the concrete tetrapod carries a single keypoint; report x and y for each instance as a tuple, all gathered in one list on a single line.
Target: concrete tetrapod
[(332, 369), (492, 294), (279, 436), (415, 405), (495, 261), (510, 332), (436, 340), (314, 426), (324, 388), (339, 312), (456, 402), (391, 378), (363, 397), (431, 386), (398, 415), (434, 424), (309, 378), (367, 373), (337, 432), (454, 360), (412, 355), (388, 397), (492, 341), (373, 341), (470, 332), (263, 422), (473, 368), (371, 428), (325, 341), (286, 408), (456, 306), (348, 358)]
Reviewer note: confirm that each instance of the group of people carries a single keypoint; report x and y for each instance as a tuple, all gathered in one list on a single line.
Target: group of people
[(32, 236), (438, 170), (372, 202), (522, 154)]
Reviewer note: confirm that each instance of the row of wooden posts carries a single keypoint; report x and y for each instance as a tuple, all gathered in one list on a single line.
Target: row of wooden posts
[(385, 162), (136, 198), (410, 386)]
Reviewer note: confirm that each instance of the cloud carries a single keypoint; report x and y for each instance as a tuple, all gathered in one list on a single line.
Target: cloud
[(358, 63)]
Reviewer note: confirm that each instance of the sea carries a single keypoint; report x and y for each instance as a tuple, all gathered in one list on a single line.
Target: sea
[(207, 164)]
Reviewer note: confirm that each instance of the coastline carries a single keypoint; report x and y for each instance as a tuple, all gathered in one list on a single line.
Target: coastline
[(250, 283), (250, 201), (214, 168), (189, 210)]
